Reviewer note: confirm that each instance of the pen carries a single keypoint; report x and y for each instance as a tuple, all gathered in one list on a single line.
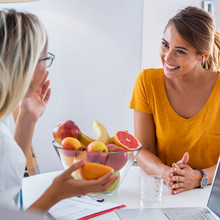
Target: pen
[(96, 198), (50, 216), (21, 200)]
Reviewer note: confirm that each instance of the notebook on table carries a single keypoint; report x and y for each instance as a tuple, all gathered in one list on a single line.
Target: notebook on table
[(210, 212)]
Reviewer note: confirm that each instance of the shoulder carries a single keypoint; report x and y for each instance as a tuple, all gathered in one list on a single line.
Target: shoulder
[(151, 74), (149, 77)]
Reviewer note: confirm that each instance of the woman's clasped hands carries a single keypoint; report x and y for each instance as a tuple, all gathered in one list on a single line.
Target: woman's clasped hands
[(182, 177)]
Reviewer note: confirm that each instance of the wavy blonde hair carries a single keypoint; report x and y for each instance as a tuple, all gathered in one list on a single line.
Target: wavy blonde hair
[(197, 27), (23, 40)]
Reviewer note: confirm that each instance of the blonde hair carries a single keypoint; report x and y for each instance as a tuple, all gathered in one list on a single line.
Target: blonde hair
[(23, 40), (197, 27)]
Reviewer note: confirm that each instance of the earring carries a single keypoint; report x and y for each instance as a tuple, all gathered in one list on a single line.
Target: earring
[(203, 63)]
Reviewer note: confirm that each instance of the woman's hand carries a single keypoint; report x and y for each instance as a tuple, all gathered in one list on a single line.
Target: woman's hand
[(35, 101), (65, 186), (31, 107), (183, 160), (183, 177)]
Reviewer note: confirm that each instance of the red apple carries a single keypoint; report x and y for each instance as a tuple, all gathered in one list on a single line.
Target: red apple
[(66, 129), (97, 152), (116, 159)]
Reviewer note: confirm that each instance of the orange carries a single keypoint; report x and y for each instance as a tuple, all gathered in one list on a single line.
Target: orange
[(126, 140), (91, 171)]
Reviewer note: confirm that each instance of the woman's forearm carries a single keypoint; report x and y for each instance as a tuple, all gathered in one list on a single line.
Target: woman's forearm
[(210, 173), (151, 164), (45, 202), (23, 132)]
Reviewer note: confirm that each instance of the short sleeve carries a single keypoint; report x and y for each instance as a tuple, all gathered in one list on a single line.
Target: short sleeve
[(140, 100)]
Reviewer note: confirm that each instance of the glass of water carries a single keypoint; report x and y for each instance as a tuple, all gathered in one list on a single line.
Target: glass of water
[(150, 191)]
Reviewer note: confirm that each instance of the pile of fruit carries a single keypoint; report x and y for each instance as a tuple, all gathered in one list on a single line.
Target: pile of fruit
[(70, 137)]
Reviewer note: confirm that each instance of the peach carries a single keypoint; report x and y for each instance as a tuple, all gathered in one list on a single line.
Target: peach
[(68, 160), (97, 152), (70, 146)]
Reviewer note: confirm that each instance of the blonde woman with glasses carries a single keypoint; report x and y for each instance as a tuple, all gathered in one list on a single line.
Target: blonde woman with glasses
[(23, 80)]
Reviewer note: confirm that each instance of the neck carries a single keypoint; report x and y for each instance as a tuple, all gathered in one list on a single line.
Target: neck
[(190, 81)]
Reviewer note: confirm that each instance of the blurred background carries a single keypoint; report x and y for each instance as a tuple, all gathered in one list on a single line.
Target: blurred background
[(100, 47)]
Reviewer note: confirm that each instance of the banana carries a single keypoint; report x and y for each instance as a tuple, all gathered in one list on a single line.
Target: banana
[(111, 140), (101, 132), (85, 140)]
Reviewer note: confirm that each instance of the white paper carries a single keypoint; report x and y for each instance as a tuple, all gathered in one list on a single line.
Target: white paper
[(78, 207)]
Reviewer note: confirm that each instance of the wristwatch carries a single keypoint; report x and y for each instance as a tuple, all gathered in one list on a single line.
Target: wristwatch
[(204, 180)]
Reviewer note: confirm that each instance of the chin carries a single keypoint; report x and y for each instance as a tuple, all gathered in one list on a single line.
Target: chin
[(171, 74)]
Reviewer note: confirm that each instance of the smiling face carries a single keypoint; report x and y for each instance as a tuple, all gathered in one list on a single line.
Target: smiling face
[(177, 56)]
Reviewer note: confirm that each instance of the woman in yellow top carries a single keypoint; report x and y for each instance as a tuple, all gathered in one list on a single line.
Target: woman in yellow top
[(177, 108)]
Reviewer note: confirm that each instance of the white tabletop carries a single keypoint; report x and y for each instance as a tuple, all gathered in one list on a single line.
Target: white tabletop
[(127, 194)]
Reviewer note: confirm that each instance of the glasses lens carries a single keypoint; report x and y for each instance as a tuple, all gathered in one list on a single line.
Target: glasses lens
[(49, 62), (48, 59)]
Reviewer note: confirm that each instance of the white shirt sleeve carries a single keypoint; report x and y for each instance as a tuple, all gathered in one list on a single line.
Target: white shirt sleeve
[(12, 166)]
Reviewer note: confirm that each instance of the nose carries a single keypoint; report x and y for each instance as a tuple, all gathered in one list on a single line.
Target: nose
[(168, 56)]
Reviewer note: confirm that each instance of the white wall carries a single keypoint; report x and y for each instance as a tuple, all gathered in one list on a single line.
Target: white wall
[(156, 16), (217, 13), (97, 44)]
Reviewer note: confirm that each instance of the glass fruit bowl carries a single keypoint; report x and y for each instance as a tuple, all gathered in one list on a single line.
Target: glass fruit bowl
[(120, 161)]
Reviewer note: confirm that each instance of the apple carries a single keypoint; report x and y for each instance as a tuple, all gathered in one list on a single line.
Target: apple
[(97, 152), (75, 175), (116, 159), (70, 147), (66, 129), (114, 186)]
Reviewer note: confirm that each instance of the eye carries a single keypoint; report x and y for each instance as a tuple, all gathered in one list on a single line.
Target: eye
[(165, 44), (180, 52)]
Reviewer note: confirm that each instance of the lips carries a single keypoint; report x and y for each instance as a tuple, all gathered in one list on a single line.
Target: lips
[(171, 67)]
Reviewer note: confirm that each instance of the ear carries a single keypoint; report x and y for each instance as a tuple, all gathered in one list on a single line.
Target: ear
[(204, 57)]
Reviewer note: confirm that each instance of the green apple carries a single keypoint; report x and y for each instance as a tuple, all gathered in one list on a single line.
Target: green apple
[(75, 176), (115, 184)]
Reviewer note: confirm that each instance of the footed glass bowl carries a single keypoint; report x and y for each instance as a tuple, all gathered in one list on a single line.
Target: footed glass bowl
[(120, 161)]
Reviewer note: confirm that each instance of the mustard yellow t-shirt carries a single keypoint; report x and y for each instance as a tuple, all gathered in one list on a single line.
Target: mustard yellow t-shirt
[(199, 135)]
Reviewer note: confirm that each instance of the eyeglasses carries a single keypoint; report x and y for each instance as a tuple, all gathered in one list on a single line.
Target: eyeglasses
[(49, 59)]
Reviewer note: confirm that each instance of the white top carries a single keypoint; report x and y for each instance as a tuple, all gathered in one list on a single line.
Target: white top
[(12, 166)]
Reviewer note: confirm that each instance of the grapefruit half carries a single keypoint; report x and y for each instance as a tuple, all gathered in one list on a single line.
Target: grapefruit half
[(126, 140)]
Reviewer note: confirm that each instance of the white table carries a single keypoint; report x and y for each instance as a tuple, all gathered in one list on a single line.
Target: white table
[(127, 194)]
